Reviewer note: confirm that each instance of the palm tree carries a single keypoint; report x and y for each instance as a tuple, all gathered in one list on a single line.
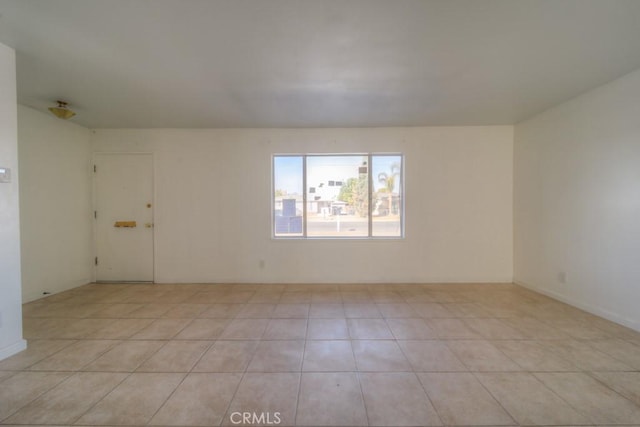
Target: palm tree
[(389, 182)]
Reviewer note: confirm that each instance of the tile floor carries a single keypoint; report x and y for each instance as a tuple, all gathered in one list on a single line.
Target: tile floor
[(318, 355)]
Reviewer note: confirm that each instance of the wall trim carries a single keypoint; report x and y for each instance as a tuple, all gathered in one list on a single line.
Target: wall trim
[(614, 317), (13, 349)]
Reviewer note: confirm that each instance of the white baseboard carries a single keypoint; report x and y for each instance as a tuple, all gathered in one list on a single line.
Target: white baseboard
[(13, 349), (614, 317)]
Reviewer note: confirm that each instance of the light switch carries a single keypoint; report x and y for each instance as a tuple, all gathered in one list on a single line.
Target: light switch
[(5, 175)]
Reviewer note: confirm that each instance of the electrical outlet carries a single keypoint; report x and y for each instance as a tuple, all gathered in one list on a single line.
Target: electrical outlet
[(261, 264), (562, 277)]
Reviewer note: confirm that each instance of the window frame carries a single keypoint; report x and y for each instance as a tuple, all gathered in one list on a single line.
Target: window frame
[(369, 156)]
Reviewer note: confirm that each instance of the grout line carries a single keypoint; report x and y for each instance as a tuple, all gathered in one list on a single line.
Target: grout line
[(304, 352)]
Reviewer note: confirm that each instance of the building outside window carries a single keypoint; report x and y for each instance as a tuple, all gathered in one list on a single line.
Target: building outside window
[(338, 196)]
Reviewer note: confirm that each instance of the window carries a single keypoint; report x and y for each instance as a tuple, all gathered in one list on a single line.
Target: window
[(348, 195)]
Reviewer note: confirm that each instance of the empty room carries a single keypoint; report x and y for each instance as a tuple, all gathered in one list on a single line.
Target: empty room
[(320, 213)]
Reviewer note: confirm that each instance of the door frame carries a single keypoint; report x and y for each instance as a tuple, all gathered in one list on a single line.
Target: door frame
[(94, 202)]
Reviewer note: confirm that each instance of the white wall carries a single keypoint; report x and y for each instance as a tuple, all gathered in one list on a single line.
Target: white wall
[(10, 309), (213, 205), (577, 201), (55, 203)]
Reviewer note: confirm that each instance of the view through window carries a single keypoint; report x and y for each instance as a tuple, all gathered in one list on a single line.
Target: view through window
[(347, 195)]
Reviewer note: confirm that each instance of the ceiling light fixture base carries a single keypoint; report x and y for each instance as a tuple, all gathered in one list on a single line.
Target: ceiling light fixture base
[(62, 111)]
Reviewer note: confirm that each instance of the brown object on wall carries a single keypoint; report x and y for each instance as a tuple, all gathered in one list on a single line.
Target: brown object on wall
[(125, 224)]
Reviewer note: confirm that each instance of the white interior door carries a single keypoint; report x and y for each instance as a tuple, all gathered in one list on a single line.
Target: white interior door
[(123, 186)]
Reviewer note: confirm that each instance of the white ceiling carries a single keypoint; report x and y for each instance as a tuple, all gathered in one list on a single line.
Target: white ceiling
[(315, 63)]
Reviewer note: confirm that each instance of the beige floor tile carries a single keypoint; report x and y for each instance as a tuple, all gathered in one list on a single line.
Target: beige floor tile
[(482, 356), (237, 297), (534, 329), (369, 329), (326, 297), (431, 310), (186, 311), (134, 401), (150, 311), (410, 329), (327, 329), (529, 401), (117, 311), (69, 400), (488, 327), (330, 399), (326, 310), (396, 399), (444, 296), (532, 356), (452, 329), (361, 296), (503, 311), (35, 308), (625, 383), (39, 328), (328, 356), (576, 328), (162, 329), (396, 310), (75, 356), (379, 296), (461, 400), (588, 396), (256, 311), (75, 310), (124, 357), (379, 356), (203, 329), (223, 311), (244, 329), (585, 357), (269, 287), (621, 350), (200, 400), (206, 297), (121, 329), (271, 394), (466, 310), (362, 311), (494, 329), (6, 374), (227, 356), (145, 295), (431, 356), (23, 387), (300, 297), (286, 329), (416, 297), (81, 328), (175, 356), (277, 356), (265, 297), (209, 294), (176, 296), (35, 352), (291, 311), (615, 330)]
